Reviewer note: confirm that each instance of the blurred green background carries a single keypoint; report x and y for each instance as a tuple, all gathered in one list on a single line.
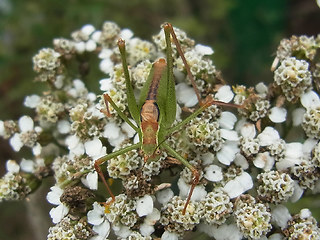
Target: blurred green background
[(244, 35)]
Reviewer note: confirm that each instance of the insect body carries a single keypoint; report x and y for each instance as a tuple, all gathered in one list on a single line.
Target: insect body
[(156, 111)]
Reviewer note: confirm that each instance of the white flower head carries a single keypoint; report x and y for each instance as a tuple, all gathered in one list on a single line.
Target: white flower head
[(153, 217), (264, 161), (106, 84), (146, 229), (87, 29), (96, 36), (164, 196), (15, 142), (80, 47), (75, 145), (228, 152), (91, 180), (98, 219), (203, 50), (238, 185), (27, 165), (126, 34), (297, 116), (280, 216), (32, 101), (293, 156), (310, 99), (59, 212), (213, 173), (144, 205), (186, 95), (277, 114), (268, 136), (222, 232), (198, 194), (224, 94), (25, 124), (248, 130), (305, 213), (12, 166), (91, 45), (94, 148), (297, 192), (229, 134), (63, 126), (227, 120), (169, 236), (114, 134), (241, 161)]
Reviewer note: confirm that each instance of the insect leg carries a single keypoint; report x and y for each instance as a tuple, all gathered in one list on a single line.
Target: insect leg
[(195, 173), (103, 159)]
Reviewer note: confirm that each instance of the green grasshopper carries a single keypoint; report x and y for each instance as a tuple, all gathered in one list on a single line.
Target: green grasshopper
[(155, 112)]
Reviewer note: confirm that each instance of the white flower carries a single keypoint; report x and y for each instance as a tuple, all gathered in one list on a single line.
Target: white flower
[(164, 196), (126, 34), (228, 152), (12, 166), (32, 101), (98, 219), (75, 145), (199, 192), (91, 45), (96, 36), (268, 136), (305, 213), (61, 210), (213, 173), (186, 95), (114, 134), (241, 161), (261, 88), (238, 185), (27, 165), (280, 216), (207, 158), (230, 135), (128, 129), (2, 129), (106, 66), (248, 130), (224, 94), (144, 205), (95, 149), (153, 217), (203, 50), (16, 142), (277, 115), (264, 161), (91, 180), (169, 236), (63, 126), (297, 192), (87, 30), (310, 99), (80, 47), (293, 155), (227, 120), (146, 229), (106, 84), (297, 116), (222, 232)]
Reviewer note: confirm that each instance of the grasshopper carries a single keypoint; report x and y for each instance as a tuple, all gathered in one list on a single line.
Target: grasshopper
[(155, 112)]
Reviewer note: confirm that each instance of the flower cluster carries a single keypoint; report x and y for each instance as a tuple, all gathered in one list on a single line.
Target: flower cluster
[(242, 161)]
